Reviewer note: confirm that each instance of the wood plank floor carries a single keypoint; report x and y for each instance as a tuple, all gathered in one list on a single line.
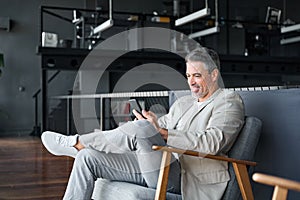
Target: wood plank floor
[(28, 171)]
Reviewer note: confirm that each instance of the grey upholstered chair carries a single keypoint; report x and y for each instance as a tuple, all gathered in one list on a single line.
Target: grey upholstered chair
[(240, 157), (243, 149)]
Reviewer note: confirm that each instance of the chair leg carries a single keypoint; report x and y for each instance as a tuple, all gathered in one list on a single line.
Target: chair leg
[(279, 193), (162, 183), (242, 176)]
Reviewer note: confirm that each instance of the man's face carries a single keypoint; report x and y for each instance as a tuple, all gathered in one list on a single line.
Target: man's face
[(201, 82)]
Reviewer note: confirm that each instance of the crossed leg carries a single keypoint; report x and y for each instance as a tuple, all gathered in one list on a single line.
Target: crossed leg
[(123, 154)]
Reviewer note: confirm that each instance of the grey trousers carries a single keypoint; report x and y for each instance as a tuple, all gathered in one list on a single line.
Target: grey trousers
[(122, 154)]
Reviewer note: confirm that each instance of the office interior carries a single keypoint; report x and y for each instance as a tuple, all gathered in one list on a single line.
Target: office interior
[(49, 79)]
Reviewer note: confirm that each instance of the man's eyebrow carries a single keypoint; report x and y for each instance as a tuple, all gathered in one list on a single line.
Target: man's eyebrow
[(197, 73)]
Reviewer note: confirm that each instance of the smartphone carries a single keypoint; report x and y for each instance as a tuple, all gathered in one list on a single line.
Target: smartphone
[(134, 104)]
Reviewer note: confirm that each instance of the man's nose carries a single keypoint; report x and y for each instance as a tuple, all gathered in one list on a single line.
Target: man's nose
[(191, 80)]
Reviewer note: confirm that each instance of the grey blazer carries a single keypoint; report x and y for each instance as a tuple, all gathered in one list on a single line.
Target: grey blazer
[(209, 127)]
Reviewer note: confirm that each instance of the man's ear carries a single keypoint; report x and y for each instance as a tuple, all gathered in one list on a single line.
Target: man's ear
[(215, 74)]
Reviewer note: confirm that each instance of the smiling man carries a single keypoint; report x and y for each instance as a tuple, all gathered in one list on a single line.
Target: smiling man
[(208, 121)]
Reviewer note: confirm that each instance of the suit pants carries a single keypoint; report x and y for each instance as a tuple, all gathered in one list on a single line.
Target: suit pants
[(122, 154)]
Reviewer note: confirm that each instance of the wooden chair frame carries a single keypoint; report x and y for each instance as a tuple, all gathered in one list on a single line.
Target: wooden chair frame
[(240, 169), (281, 185)]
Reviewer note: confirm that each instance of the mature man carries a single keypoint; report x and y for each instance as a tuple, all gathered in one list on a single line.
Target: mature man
[(208, 121)]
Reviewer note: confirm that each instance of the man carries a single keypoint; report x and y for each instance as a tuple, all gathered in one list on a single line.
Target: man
[(207, 121)]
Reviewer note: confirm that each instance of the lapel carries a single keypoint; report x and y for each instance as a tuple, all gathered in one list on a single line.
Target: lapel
[(182, 109), (194, 109)]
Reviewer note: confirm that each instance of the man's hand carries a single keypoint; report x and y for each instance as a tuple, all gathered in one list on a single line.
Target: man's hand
[(137, 115), (152, 118)]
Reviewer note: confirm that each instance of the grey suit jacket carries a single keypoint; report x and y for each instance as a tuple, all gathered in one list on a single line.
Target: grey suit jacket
[(209, 127)]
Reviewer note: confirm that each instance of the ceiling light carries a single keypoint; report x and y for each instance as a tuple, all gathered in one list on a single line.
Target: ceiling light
[(290, 40), (205, 32), (102, 27), (290, 28), (196, 15)]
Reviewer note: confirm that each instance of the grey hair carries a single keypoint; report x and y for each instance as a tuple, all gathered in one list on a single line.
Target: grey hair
[(208, 56)]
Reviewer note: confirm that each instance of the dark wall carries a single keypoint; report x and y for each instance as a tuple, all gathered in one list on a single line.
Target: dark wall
[(21, 76)]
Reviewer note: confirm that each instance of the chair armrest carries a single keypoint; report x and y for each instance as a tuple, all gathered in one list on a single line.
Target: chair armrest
[(202, 155), (240, 169), (276, 181)]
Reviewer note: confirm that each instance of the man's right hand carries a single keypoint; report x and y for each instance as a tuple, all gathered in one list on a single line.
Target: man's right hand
[(152, 118)]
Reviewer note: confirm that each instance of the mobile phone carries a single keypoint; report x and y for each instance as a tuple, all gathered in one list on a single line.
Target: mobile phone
[(134, 104)]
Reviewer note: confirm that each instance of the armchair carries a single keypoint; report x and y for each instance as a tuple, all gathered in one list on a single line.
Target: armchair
[(242, 151)]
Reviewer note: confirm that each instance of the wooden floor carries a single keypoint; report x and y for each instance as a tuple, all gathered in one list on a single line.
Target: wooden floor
[(28, 171)]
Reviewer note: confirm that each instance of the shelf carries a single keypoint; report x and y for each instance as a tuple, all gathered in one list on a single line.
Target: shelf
[(72, 58)]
